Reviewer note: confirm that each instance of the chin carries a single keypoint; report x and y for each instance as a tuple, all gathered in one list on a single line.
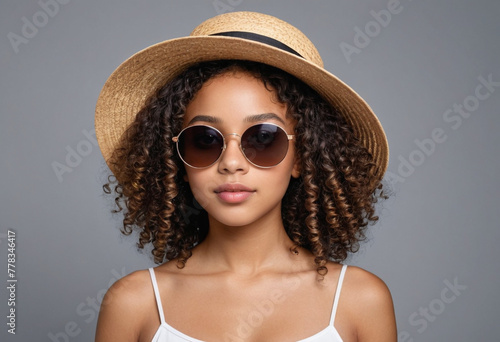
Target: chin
[(234, 222), (232, 219)]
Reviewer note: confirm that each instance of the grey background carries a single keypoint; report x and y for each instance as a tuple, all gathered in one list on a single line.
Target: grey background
[(440, 226)]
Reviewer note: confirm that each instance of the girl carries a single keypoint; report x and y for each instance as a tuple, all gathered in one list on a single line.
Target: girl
[(253, 172)]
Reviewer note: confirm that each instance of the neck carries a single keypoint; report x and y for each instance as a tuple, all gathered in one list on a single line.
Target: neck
[(247, 250)]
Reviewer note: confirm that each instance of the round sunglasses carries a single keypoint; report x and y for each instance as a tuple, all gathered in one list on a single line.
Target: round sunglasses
[(263, 145)]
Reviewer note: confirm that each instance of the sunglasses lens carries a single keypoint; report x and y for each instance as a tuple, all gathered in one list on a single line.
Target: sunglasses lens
[(200, 146), (265, 145)]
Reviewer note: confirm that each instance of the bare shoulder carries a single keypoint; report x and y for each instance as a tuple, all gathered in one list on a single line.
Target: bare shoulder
[(367, 302), (361, 287), (369, 287), (129, 290), (127, 301)]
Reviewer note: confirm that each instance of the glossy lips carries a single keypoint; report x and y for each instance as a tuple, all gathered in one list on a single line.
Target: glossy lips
[(233, 193)]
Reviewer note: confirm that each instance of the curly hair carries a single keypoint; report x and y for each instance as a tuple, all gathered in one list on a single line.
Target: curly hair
[(326, 210)]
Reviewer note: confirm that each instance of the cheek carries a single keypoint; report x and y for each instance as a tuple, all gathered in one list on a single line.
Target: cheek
[(279, 177), (200, 186)]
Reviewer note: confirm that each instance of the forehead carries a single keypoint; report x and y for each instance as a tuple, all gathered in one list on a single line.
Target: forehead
[(233, 98)]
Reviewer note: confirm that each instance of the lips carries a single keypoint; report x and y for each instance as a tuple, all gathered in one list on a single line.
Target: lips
[(233, 193), (232, 188)]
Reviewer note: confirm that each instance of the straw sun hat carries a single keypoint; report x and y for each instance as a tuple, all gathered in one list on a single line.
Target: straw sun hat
[(237, 35)]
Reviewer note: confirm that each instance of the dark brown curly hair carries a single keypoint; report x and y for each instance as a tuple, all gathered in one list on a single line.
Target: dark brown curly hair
[(326, 210)]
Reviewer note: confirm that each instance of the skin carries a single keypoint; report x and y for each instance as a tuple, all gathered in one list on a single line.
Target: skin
[(243, 283)]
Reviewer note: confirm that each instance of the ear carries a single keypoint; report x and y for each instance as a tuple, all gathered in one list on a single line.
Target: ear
[(296, 169)]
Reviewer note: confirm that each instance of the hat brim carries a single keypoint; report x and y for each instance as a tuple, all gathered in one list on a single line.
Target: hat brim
[(125, 92)]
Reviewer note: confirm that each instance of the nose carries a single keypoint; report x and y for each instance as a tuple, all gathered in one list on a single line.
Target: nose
[(232, 159)]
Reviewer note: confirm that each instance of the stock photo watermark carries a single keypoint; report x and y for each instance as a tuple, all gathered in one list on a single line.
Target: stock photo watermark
[(31, 25), (10, 239), (454, 116), (224, 6), (425, 315), (74, 155), (86, 310), (366, 34)]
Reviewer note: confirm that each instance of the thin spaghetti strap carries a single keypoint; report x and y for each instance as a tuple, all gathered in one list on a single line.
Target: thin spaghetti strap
[(157, 295), (337, 294)]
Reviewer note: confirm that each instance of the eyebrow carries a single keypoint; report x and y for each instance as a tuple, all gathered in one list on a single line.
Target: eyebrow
[(264, 117), (250, 118), (205, 118)]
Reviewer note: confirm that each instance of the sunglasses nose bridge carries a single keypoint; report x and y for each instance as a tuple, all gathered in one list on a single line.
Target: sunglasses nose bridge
[(225, 141), (232, 156), (233, 134)]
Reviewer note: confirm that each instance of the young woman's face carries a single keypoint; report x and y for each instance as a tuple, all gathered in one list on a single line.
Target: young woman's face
[(233, 191)]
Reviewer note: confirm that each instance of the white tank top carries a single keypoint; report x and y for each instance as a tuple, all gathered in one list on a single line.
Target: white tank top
[(167, 333)]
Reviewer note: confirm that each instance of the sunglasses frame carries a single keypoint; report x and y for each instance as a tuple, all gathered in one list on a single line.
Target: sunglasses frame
[(176, 140)]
